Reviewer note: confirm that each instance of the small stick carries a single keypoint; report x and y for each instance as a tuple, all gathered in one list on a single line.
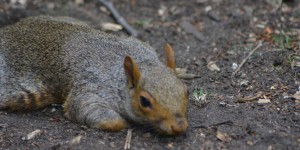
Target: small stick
[(109, 5), (128, 139), (251, 98), (244, 61)]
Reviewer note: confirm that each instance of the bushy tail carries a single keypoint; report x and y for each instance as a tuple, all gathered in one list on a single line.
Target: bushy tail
[(27, 100)]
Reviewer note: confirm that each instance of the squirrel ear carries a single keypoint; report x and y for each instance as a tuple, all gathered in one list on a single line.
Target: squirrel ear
[(170, 57), (132, 72)]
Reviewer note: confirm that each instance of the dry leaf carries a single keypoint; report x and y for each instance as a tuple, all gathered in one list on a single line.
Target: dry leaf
[(297, 95), (76, 140), (212, 66), (267, 34), (222, 136)]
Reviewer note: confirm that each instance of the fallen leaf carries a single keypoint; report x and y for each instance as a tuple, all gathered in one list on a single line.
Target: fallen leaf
[(76, 140), (296, 95), (267, 34), (212, 66), (170, 145), (222, 136)]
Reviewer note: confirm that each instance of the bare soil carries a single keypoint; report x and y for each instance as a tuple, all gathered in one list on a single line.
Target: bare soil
[(202, 32)]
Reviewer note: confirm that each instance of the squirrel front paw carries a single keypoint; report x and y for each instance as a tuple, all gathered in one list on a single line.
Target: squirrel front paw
[(112, 125), (109, 120)]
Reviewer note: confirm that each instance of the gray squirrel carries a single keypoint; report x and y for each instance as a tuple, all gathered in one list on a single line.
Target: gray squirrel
[(102, 80)]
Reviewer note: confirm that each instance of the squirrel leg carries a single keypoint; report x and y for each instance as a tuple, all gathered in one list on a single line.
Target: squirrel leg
[(91, 110)]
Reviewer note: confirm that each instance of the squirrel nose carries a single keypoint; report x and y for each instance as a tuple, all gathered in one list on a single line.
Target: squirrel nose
[(179, 126)]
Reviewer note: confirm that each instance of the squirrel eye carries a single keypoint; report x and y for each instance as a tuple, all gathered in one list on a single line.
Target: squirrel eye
[(145, 102)]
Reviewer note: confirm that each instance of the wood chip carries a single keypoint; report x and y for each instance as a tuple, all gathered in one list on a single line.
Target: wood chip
[(250, 143), (263, 101), (128, 139), (181, 73), (187, 76), (111, 27), (32, 135)]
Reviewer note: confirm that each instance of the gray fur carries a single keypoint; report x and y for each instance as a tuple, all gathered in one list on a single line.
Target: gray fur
[(74, 61)]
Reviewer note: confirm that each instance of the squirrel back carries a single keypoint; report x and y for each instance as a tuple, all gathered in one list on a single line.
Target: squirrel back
[(101, 79)]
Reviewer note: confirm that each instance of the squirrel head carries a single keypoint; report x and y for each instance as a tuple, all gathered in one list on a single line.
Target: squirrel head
[(159, 98)]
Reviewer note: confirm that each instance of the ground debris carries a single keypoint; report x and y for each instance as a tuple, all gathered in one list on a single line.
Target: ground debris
[(250, 98), (128, 139), (32, 135), (244, 61), (189, 28), (213, 15), (296, 95), (263, 101), (182, 74), (73, 141), (109, 5), (111, 27), (76, 140), (222, 136), (212, 66), (200, 97)]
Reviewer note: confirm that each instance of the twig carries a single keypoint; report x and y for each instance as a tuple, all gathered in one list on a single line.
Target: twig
[(244, 61), (128, 139), (109, 5), (250, 98), (229, 122)]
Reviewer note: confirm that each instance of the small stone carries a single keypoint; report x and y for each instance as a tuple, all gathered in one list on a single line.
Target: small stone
[(234, 66)]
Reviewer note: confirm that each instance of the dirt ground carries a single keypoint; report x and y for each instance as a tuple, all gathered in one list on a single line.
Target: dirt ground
[(257, 108)]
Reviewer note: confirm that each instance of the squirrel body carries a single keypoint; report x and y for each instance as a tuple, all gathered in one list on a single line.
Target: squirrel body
[(102, 80)]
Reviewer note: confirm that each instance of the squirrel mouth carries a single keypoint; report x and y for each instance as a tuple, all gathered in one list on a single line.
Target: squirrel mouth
[(172, 127)]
